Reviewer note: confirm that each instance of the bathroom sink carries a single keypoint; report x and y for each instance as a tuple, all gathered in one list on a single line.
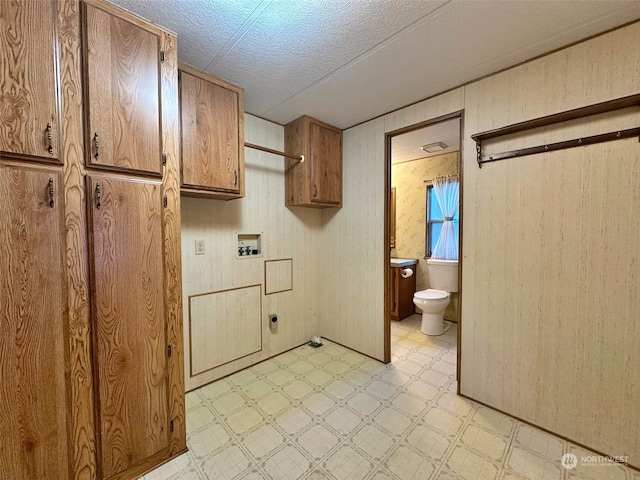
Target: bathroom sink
[(403, 262)]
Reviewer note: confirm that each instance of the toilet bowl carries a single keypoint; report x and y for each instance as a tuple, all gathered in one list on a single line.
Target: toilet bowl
[(433, 304), (443, 277)]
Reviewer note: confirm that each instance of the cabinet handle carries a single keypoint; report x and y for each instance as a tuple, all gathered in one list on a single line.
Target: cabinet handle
[(97, 146), (235, 178), (49, 138), (51, 202), (315, 191), (98, 195)]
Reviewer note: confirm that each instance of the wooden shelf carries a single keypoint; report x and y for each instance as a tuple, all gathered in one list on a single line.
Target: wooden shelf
[(595, 109)]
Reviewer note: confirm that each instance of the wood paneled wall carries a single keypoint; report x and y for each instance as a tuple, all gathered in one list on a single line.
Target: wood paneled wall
[(352, 249), (287, 233), (550, 290), (353, 237), (224, 326), (550, 286)]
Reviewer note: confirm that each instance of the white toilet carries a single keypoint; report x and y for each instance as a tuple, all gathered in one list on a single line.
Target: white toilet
[(443, 276)]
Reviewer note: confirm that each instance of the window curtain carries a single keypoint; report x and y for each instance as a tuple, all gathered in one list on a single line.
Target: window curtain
[(447, 192)]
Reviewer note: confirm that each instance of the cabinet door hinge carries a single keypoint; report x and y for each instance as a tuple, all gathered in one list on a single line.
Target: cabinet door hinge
[(171, 426), (164, 201), (162, 56), (168, 350), (164, 158)]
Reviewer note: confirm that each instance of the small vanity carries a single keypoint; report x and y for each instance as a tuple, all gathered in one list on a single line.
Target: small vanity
[(403, 286)]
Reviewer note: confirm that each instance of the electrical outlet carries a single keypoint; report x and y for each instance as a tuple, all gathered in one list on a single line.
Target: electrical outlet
[(199, 247)]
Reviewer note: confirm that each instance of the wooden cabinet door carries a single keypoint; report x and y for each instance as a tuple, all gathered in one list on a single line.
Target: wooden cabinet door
[(394, 292), (130, 347), (29, 124), (211, 143), (326, 164), (33, 407), (122, 93)]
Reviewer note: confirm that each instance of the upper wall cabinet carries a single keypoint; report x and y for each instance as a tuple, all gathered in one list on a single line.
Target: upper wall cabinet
[(122, 92), (316, 182), (29, 126), (212, 115)]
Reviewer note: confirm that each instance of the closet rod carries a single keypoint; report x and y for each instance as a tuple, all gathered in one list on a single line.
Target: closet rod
[(275, 152)]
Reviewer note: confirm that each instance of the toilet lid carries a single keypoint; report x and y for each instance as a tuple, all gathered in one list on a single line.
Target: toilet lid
[(432, 294)]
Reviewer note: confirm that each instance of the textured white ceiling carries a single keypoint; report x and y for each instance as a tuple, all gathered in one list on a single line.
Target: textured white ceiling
[(346, 61), (407, 146)]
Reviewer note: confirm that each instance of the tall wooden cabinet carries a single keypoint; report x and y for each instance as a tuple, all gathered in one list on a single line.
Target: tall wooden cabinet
[(33, 392), (33, 307), (91, 350), (123, 63), (212, 131), (316, 182)]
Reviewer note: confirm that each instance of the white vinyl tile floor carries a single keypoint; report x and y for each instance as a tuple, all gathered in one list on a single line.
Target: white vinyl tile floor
[(332, 413)]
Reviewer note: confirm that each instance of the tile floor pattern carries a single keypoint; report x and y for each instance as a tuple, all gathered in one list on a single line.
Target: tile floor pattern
[(332, 413)]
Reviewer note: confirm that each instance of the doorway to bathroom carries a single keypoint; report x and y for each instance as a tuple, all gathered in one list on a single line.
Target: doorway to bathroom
[(417, 158)]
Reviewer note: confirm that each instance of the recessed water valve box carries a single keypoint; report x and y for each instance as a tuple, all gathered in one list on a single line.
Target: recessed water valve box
[(249, 245)]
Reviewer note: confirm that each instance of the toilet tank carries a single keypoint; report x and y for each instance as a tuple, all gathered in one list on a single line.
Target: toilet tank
[(443, 274)]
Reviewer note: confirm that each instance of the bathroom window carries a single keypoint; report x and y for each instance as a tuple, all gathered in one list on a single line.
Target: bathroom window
[(435, 219)]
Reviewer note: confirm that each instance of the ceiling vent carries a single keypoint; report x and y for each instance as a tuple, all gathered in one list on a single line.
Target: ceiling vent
[(435, 147)]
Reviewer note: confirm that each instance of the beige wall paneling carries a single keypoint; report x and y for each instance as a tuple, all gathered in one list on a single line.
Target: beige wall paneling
[(426, 110), (560, 349), (224, 326), (352, 250), (286, 233), (411, 212), (551, 251), (353, 306), (278, 275)]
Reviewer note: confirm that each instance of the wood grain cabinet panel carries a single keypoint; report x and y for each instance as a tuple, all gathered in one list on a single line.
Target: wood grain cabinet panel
[(33, 409), (122, 93), (316, 182), (28, 87), (211, 112), (130, 346), (402, 291)]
